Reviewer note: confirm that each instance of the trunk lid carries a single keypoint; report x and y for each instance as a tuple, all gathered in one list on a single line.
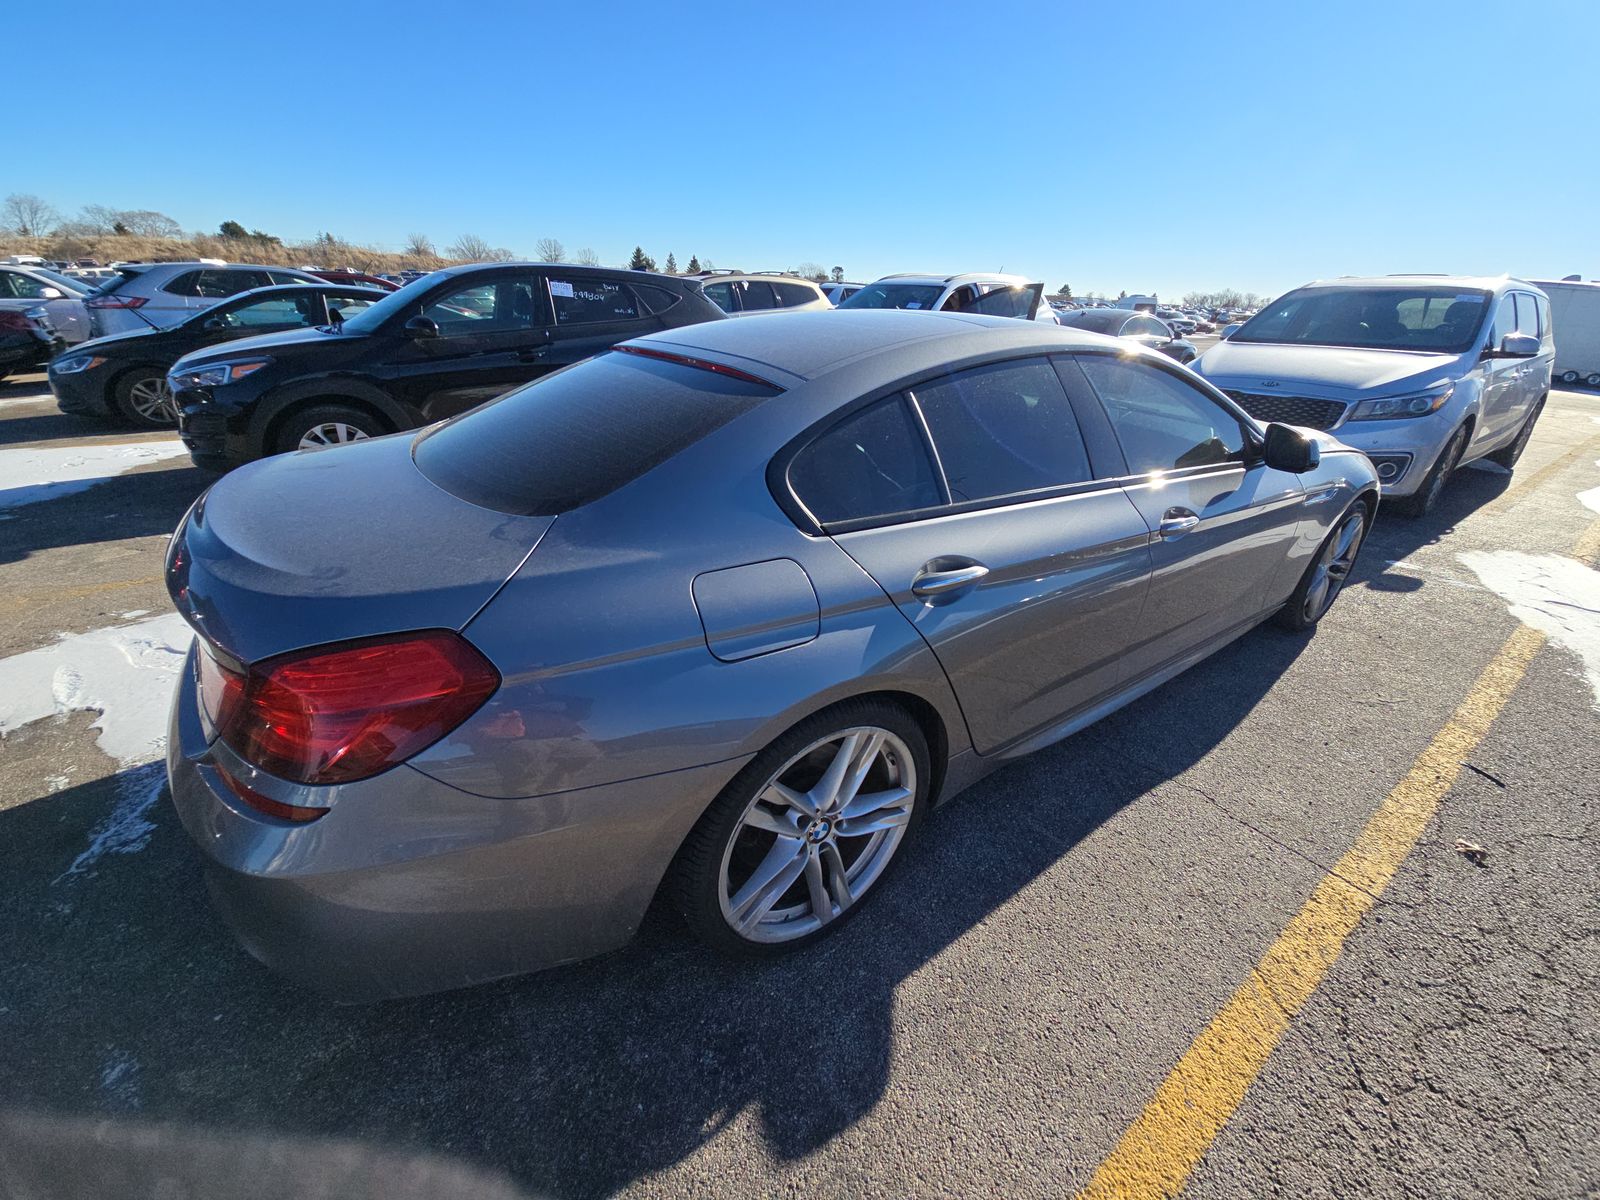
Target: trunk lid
[(305, 549)]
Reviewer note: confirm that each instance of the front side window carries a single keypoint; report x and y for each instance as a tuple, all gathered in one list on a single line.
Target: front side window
[(1527, 315), (1004, 429), (581, 301), (1505, 320), (721, 294), (19, 286), (504, 306), (895, 295), (874, 463), (1440, 320), (348, 306), (960, 299), (1162, 422)]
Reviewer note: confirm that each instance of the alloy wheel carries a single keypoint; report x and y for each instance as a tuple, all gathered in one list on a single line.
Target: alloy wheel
[(151, 401), (332, 433), (1334, 564), (817, 835)]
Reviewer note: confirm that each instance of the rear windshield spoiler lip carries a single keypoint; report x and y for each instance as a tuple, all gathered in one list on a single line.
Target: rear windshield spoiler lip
[(698, 362)]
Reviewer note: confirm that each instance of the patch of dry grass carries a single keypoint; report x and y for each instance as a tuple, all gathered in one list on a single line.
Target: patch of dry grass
[(326, 253)]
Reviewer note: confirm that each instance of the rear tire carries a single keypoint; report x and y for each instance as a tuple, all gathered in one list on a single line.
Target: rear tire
[(1592, 380), (1421, 502), (323, 425), (835, 859), (1507, 455), (143, 399), (1326, 576), (1569, 377)]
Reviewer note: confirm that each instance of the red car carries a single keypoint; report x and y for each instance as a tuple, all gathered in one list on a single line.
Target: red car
[(356, 277)]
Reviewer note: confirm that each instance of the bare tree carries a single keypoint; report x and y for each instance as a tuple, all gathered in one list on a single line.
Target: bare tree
[(28, 215), (549, 250), (420, 245), (586, 258), (98, 218), (813, 271), (471, 248), (143, 222)]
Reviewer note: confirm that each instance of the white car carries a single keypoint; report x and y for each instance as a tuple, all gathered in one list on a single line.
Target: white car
[(738, 294), (975, 292)]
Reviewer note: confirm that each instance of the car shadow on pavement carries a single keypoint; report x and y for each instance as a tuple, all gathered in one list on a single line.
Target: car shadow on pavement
[(126, 1006), (1394, 537), (140, 503), (46, 427)]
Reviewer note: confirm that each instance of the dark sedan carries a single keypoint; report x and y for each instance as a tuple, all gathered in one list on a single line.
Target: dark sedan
[(1136, 326), (125, 375), (437, 347)]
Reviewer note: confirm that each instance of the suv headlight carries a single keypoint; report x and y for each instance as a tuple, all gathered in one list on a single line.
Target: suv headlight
[(1417, 404), (73, 363), (216, 374)]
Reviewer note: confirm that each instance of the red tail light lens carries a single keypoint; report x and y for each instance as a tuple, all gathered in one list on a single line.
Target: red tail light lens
[(116, 301), (347, 712)]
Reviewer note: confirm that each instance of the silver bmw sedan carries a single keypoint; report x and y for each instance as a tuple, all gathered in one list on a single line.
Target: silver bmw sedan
[(718, 614)]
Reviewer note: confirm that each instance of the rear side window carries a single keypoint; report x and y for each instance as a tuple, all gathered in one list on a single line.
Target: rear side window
[(580, 301), (791, 294), (1005, 302), (721, 294), (655, 299), (874, 463), (756, 295), (216, 283), (1004, 429), (581, 433), (1163, 422)]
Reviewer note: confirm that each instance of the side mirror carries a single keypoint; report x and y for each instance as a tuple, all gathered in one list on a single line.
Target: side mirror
[(1516, 345), (1290, 450), (422, 328), (50, 293), (214, 324)]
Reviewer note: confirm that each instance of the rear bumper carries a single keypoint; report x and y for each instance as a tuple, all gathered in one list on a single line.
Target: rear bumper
[(409, 885)]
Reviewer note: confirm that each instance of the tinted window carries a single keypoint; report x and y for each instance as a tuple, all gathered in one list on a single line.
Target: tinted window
[(1441, 319), (349, 306), (895, 295), (580, 301), (1544, 318), (1005, 302), (656, 299), (1162, 421), (581, 433), (960, 299), (1095, 322), (873, 464), (756, 294), (506, 305), (183, 285), (285, 277), (278, 310), (790, 294), (19, 286), (1004, 429), (721, 294), (217, 284)]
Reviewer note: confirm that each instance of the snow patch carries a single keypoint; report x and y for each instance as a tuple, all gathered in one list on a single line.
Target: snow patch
[(33, 475), (1556, 595), (126, 828), (126, 673), (1591, 498)]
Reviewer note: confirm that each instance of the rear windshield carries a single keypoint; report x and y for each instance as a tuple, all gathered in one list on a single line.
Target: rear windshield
[(580, 434), (1442, 320)]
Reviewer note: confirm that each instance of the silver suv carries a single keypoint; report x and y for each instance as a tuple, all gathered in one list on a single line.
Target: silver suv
[(159, 295), (1422, 372), (974, 292), (738, 294)]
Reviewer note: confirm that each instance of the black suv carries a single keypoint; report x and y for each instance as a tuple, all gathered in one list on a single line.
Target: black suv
[(435, 348)]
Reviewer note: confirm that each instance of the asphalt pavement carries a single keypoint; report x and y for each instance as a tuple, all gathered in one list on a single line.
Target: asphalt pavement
[(1051, 946)]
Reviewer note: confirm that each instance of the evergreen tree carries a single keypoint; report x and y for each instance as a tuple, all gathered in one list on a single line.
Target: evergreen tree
[(694, 265), (672, 264), (641, 261), (1066, 290)]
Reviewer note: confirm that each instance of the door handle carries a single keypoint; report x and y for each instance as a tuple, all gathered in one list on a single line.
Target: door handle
[(938, 583), (1176, 522), (532, 353)]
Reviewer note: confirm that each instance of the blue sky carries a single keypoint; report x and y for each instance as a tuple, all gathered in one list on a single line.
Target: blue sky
[(1137, 146)]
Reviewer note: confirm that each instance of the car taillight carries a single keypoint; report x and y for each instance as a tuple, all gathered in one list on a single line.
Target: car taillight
[(347, 712), (115, 301), (14, 322)]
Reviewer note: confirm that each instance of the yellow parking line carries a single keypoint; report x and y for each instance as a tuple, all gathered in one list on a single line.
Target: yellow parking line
[(1156, 1154)]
